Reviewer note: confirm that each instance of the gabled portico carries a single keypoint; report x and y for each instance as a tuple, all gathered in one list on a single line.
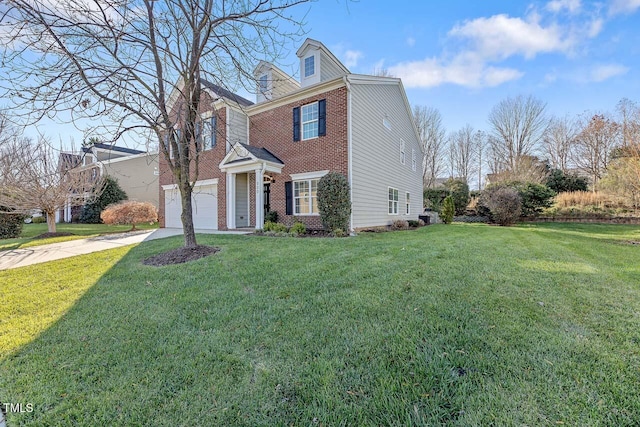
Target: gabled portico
[(239, 163)]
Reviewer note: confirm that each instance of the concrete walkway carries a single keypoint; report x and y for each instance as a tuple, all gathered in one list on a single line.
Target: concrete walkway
[(35, 255)]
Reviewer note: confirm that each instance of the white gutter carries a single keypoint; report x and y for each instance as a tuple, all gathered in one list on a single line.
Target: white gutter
[(349, 150)]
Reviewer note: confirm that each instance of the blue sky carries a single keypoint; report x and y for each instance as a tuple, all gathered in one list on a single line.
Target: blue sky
[(464, 56)]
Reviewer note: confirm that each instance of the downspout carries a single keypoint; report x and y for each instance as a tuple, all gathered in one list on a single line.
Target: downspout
[(349, 151)]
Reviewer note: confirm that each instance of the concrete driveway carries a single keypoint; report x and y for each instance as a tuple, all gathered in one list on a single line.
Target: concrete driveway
[(38, 254)]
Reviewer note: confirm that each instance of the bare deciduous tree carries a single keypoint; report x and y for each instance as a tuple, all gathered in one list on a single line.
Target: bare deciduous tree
[(558, 142), (517, 128), (463, 152), (597, 137), (480, 144), (432, 137), (629, 119), (118, 62), (34, 176)]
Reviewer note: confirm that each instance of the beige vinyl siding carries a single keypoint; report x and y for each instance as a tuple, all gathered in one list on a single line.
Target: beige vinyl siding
[(283, 84), (136, 177), (376, 162), (328, 68), (237, 126)]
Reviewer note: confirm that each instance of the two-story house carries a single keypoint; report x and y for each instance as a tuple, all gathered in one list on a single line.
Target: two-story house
[(136, 171), (270, 155)]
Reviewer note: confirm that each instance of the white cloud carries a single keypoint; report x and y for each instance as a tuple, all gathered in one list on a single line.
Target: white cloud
[(623, 7), (501, 36), (464, 70), (411, 42), (601, 73), (572, 6), (351, 58)]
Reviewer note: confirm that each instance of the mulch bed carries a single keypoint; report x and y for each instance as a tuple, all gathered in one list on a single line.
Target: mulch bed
[(181, 255), (48, 235)]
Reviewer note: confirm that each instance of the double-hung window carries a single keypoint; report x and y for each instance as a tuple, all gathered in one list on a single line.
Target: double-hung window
[(393, 201), (407, 204), (309, 66), (305, 200), (310, 121), (208, 133)]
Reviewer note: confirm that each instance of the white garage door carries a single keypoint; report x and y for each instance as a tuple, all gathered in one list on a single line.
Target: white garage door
[(205, 207)]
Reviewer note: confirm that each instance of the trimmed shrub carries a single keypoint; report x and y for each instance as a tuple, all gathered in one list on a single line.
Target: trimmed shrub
[(400, 224), (111, 193), (130, 212), (39, 219), (459, 191), (271, 216), (448, 210), (535, 198), (10, 224), (334, 201), (298, 228), (414, 223), (339, 232), (503, 203), (275, 227)]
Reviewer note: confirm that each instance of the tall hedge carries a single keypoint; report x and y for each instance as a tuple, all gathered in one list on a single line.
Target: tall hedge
[(334, 201), (10, 224), (111, 193), (459, 191)]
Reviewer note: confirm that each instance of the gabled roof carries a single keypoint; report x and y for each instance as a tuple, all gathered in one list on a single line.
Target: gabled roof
[(318, 45), (108, 147), (224, 93), (243, 155)]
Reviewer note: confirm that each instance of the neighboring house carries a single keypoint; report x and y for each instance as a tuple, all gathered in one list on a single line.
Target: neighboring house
[(269, 156), (136, 171)]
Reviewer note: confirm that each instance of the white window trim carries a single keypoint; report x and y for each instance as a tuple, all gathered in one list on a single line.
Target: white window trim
[(263, 78), (307, 175), (396, 202), (293, 188), (302, 122), (407, 202), (402, 151), (414, 162)]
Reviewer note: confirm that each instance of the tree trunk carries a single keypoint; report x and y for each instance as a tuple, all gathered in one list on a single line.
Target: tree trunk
[(51, 222), (187, 215)]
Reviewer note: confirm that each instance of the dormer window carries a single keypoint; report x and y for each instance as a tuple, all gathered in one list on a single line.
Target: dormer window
[(263, 84), (309, 66)]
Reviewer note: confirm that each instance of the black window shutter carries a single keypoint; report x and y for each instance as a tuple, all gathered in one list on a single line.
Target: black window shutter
[(322, 117), (288, 190), (296, 124)]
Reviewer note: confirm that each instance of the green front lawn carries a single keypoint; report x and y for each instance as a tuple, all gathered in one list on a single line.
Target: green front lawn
[(80, 231), (446, 325)]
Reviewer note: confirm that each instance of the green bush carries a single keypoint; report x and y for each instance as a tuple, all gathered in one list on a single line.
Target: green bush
[(433, 198), (275, 227), (560, 182), (334, 201), (10, 224), (459, 191), (111, 193), (503, 203), (448, 210), (39, 219), (535, 197), (413, 223), (271, 216), (298, 229)]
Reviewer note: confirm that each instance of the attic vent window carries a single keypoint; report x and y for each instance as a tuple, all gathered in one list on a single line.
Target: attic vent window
[(309, 66), (263, 84), (386, 122)]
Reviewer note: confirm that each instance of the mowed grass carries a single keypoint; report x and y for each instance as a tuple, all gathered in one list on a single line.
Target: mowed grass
[(80, 231), (446, 325)]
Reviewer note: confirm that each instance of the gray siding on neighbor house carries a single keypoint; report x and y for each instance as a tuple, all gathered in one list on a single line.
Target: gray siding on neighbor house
[(237, 126), (376, 164), (136, 176), (329, 70)]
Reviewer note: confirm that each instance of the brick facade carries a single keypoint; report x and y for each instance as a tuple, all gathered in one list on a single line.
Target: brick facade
[(273, 130)]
